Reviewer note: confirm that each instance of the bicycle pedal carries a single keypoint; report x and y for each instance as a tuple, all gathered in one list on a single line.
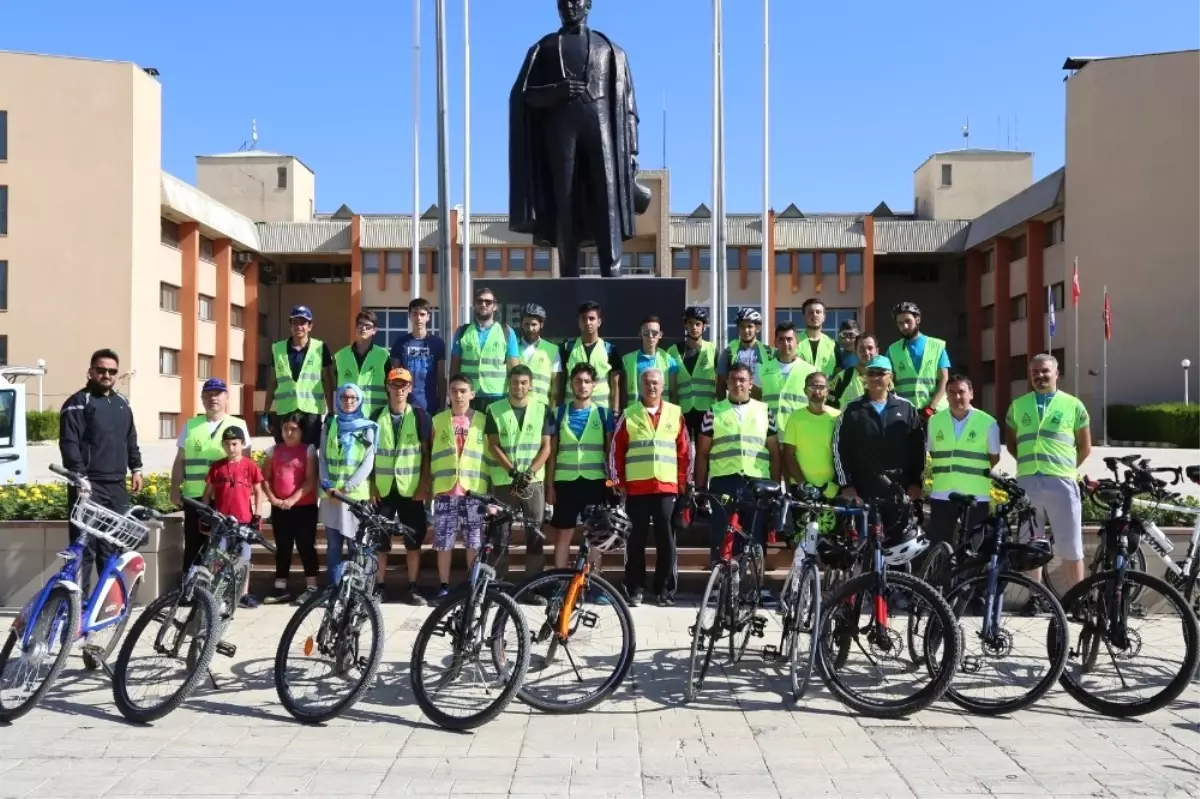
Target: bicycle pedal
[(588, 619), (771, 652), (758, 626), (227, 649)]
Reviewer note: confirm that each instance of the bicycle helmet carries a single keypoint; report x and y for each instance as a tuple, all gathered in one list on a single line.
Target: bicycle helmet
[(534, 310), (903, 547), (906, 307), (606, 527), (699, 313), (749, 315)]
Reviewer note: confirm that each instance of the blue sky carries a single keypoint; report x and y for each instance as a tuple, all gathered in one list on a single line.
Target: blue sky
[(860, 93)]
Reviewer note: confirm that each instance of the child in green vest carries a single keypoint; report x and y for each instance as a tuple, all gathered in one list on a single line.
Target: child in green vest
[(347, 456)]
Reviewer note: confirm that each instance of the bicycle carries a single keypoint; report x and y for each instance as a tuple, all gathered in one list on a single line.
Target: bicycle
[(54, 616), (344, 608), (1103, 607), (575, 619), (1183, 576), (208, 598), (977, 580), (463, 617)]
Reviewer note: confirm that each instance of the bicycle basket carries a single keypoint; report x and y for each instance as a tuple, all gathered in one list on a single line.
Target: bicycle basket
[(121, 531)]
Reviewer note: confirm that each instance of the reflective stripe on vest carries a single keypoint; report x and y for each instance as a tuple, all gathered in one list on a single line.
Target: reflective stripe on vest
[(961, 465), (698, 388), (652, 454), (200, 451), (398, 457), (599, 361), (342, 465), (447, 466), (580, 458), (1046, 444), (541, 363), (370, 378), (739, 446), (487, 369), (826, 359), (305, 393), (519, 442), (791, 392), (634, 379), (917, 387)]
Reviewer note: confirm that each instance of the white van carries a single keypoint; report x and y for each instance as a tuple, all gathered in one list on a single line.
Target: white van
[(14, 448)]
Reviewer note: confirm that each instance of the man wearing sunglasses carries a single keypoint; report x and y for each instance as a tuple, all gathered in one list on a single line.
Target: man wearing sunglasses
[(649, 356), (483, 352), (98, 439), (364, 364)]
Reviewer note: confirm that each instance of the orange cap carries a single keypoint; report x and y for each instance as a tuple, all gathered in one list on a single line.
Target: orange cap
[(400, 373)]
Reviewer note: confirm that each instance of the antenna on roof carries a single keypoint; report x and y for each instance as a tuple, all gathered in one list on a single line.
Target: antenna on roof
[(253, 143), (966, 133)]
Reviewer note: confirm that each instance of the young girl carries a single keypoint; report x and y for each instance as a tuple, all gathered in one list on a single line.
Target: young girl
[(290, 469), (234, 486), (347, 457)]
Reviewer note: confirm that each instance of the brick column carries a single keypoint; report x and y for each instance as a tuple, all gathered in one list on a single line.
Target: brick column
[(1003, 331), (1035, 290), (250, 333), (974, 304), (356, 272), (868, 282), (189, 311), (223, 256)]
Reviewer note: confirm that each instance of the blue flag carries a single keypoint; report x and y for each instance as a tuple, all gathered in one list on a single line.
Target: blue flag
[(1050, 305)]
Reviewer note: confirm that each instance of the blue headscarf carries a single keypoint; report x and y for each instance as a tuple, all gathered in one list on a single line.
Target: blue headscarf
[(350, 423)]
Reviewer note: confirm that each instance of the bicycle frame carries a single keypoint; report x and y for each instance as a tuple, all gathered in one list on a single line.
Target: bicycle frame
[(1173, 568)]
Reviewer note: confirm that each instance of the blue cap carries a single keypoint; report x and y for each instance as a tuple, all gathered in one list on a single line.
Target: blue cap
[(880, 362), (214, 384), (301, 312)]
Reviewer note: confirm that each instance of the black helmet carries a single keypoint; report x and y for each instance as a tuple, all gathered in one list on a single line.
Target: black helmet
[(697, 312), (906, 307), (534, 310), (606, 527)]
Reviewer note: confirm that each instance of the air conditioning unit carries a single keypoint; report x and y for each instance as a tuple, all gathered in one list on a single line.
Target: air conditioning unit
[(245, 257)]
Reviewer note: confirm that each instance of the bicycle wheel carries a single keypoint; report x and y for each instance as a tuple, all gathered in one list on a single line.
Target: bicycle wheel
[(993, 678), (185, 644), (34, 668), (572, 674), (934, 570), (1161, 636), (743, 607), (708, 626), (1058, 584), (882, 646), (802, 623), (466, 621), (323, 655), (99, 646)]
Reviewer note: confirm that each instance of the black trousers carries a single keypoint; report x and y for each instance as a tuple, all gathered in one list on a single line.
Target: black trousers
[(112, 495), (295, 527), (643, 510), (943, 519)]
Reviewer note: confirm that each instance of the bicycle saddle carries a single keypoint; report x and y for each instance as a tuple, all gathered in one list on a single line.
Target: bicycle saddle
[(764, 489), (964, 500), (1193, 473)]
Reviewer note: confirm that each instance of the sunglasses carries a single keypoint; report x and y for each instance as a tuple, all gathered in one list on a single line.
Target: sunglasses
[(485, 302), (877, 373), (365, 326), (651, 333), (100, 370)]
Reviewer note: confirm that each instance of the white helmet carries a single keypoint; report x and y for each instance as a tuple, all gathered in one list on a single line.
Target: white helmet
[(904, 551)]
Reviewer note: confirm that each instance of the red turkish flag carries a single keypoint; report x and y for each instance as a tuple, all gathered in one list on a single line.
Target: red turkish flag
[(1107, 318), (1075, 285)]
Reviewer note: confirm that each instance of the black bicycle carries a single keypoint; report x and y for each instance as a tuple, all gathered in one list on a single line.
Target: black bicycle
[(331, 647)]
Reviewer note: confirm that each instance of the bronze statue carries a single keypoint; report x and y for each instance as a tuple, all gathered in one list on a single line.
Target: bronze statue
[(573, 144)]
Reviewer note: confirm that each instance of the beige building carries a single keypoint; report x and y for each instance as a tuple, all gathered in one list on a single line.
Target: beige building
[(99, 247)]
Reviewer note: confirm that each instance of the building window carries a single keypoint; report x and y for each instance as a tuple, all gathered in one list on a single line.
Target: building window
[(431, 263), (393, 263), (988, 317), (169, 232), (988, 369), (962, 325), (732, 332), (204, 367), (207, 304), (3, 135), (370, 263), (1058, 293), (516, 261), (3, 350), (754, 260), (917, 273), (541, 260), (262, 373), (1018, 366), (854, 263), (1019, 248), (1060, 354), (237, 317), (644, 264), (235, 372), (393, 322), (989, 261), (783, 263), (168, 297), (833, 318), (1055, 229), (681, 261), (947, 174), (829, 263), (1018, 308), (806, 263), (318, 273), (704, 260), (3, 210), (167, 425), (732, 259), (206, 250), (168, 362), (281, 177), (3, 285), (492, 260)]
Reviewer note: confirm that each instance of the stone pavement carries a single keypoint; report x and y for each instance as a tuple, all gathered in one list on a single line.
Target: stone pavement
[(740, 739)]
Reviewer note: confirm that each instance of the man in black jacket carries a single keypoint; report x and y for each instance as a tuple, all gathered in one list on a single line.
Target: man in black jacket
[(876, 433), (97, 438)]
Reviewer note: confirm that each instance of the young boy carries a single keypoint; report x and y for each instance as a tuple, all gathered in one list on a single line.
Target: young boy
[(457, 466), (234, 486)]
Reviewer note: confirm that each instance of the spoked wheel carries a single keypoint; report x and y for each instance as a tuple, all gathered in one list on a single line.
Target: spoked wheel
[(802, 623), (744, 605), (470, 659), (165, 656), (934, 570), (571, 673), (328, 655), (707, 629), (27, 672), (99, 646)]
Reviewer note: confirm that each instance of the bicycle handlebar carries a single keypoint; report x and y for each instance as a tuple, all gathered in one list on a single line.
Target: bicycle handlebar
[(75, 478), (508, 513), (365, 511), (227, 522)]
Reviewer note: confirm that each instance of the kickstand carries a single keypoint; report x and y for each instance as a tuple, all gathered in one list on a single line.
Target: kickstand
[(107, 670), (213, 679)]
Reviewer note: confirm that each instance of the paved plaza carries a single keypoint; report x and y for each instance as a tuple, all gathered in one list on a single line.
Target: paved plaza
[(741, 739)]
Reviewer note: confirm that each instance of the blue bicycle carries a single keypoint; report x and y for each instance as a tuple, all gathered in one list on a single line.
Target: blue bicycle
[(29, 660)]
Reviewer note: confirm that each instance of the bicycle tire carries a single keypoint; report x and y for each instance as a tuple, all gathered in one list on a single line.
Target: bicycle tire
[(1177, 685), (92, 661), (934, 571), (203, 604), (1137, 562), (718, 581), (943, 675), (1056, 635), (283, 690), (810, 586), (57, 595), (739, 640), (628, 647), (507, 608)]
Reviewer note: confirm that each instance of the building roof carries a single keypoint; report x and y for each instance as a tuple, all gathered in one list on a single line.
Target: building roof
[(920, 235), (186, 200), (1077, 62), (247, 154), (1026, 204), (314, 236), (394, 232), (977, 152)]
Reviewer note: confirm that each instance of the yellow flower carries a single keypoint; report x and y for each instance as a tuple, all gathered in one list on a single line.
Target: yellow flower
[(152, 490)]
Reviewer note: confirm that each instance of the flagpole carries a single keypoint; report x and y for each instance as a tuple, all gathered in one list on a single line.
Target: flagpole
[(718, 332), (722, 232), (1075, 348), (414, 254), (767, 258), (445, 288), (1104, 366), (466, 300)]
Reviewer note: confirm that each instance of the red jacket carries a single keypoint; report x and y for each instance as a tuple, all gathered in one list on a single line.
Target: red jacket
[(620, 447)]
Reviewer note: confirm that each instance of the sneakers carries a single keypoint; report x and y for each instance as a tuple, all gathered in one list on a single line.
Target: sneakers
[(379, 593), (635, 597), (304, 595), (666, 600), (411, 597), (443, 592), (597, 597), (249, 601), (281, 596), (1036, 606)]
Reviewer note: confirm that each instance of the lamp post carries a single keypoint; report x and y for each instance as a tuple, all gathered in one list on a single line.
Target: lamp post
[(1186, 364), (42, 365)]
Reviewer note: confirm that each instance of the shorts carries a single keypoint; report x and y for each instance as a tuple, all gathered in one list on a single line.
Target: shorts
[(571, 497), (1058, 498), (534, 507), (452, 514), (407, 511)]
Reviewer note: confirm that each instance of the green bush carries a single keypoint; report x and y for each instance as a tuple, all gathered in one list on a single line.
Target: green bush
[(1165, 423), (1096, 513), (41, 425)]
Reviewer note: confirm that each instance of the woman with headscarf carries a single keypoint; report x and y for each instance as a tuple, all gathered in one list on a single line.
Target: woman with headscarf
[(347, 456)]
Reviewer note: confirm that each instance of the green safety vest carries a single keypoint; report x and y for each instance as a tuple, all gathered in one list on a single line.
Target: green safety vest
[(855, 387), (487, 369), (519, 442), (662, 363), (343, 465), (918, 387), (305, 393), (768, 371), (1046, 444), (541, 363), (580, 458), (371, 378), (599, 361), (651, 454), (812, 436), (200, 451), (739, 446), (448, 467), (698, 388), (398, 454), (826, 359), (790, 391), (961, 465)]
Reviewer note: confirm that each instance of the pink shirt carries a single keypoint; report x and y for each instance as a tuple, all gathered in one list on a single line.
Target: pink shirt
[(289, 470)]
